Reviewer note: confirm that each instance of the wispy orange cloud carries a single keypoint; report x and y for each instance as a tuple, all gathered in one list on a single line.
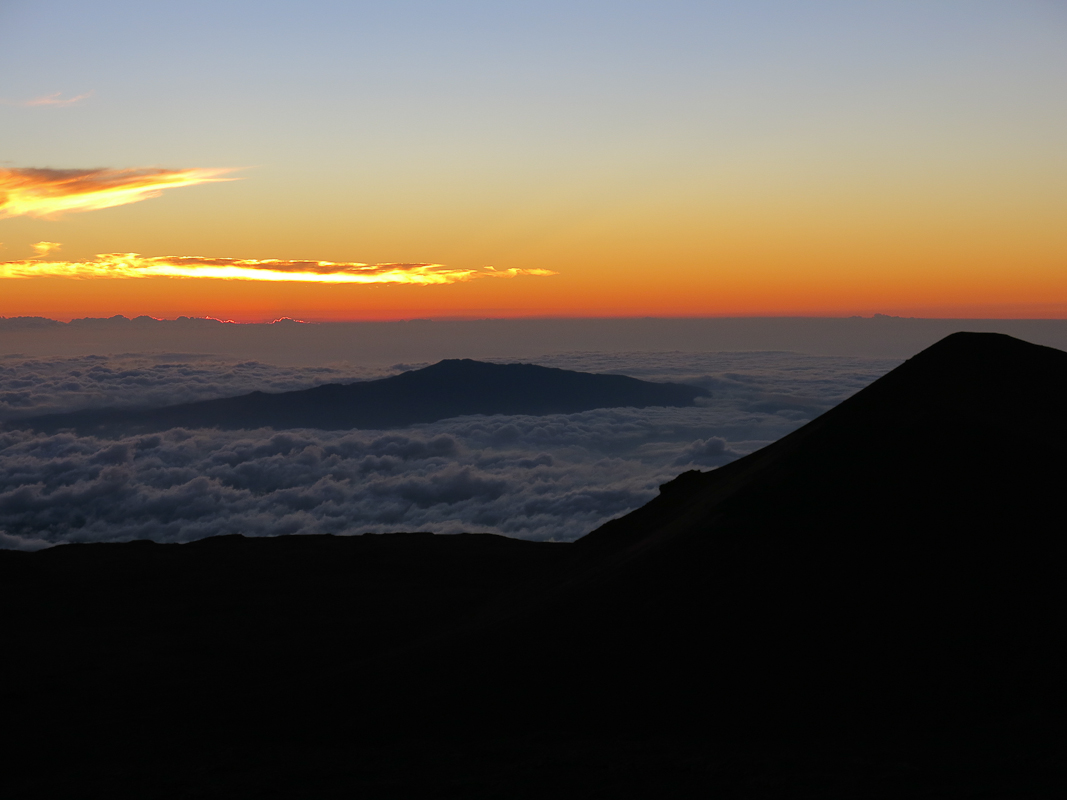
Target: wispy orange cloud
[(132, 265), (56, 99), (50, 192)]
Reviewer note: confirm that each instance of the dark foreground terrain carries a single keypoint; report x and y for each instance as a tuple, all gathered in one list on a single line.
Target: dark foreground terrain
[(872, 607), (449, 388)]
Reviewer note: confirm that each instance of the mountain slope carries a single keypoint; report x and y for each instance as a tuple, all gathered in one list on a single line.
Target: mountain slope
[(447, 389), (894, 565), (873, 606)]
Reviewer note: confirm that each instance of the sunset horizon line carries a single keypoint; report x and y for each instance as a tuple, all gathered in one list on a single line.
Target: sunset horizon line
[(476, 317)]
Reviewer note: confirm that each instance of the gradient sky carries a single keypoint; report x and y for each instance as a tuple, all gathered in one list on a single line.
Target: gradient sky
[(661, 158)]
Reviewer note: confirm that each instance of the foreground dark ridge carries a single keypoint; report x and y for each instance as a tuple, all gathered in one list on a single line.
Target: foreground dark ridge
[(873, 606), (894, 566), (447, 389)]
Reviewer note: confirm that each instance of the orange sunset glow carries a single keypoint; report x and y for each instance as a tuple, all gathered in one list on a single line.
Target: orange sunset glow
[(690, 162)]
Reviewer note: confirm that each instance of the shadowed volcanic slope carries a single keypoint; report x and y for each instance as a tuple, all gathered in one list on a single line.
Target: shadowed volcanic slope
[(886, 581), (449, 388), (894, 566), (899, 558)]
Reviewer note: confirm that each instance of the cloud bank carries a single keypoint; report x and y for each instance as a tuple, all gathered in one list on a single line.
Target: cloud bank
[(552, 477), (51, 192), (536, 478), (772, 385), (132, 265), (31, 386)]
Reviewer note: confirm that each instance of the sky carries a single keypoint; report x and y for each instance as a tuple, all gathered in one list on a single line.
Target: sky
[(373, 161)]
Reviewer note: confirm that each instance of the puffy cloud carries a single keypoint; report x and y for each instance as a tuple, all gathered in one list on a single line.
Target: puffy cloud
[(551, 477), (132, 265), (712, 451), (445, 477), (40, 192), (44, 248), (184, 485)]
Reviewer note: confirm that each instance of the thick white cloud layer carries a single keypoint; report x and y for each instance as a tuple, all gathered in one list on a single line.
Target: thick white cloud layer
[(554, 477)]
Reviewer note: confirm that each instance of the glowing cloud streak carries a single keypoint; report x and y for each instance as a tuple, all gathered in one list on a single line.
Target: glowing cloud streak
[(132, 265), (50, 192)]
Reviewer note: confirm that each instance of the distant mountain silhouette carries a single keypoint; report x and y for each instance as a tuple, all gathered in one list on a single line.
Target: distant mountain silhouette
[(874, 606), (449, 388)]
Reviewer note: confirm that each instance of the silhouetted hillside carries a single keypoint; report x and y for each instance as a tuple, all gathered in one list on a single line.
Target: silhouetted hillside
[(895, 565), (447, 389), (873, 606)]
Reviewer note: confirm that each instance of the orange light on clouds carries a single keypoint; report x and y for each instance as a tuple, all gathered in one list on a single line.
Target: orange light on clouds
[(44, 248), (132, 265), (50, 192)]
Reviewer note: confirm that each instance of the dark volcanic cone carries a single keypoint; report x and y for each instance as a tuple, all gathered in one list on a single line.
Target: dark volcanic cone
[(897, 562), (447, 389)]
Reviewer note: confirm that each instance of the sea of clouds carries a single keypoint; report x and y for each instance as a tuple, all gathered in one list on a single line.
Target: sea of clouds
[(552, 477), (46, 385)]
